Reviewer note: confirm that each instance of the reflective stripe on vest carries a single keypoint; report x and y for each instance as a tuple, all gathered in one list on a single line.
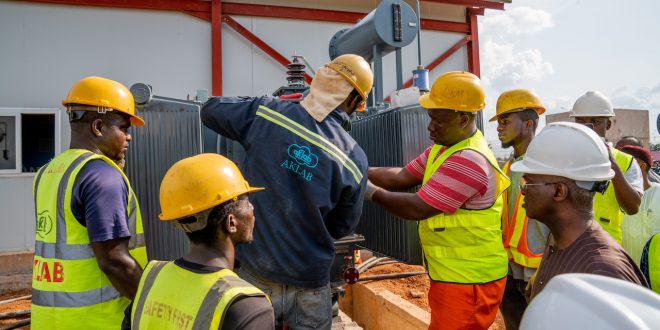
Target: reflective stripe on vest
[(606, 208), (654, 263), (194, 301), (465, 247), (514, 230), (67, 283)]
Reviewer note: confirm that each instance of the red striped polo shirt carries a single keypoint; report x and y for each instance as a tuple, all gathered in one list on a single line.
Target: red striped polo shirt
[(465, 180)]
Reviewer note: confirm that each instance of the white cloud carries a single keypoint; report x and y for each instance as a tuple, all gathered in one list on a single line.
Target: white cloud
[(504, 66), (519, 20), (646, 98)]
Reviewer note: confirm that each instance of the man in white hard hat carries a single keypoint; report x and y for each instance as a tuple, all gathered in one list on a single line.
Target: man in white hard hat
[(624, 195), (558, 188), (524, 238)]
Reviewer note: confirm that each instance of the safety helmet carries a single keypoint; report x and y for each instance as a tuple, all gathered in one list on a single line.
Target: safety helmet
[(356, 71), (456, 90), (592, 104), (516, 100), (587, 301), (199, 183), (568, 150), (106, 94)]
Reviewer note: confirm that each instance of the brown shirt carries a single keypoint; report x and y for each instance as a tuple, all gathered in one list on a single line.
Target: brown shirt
[(594, 252)]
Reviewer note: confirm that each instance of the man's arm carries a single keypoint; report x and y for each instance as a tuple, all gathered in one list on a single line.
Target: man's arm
[(393, 178), (628, 198), (120, 267), (230, 116), (404, 205)]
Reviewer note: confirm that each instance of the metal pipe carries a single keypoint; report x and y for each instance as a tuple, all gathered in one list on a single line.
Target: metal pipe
[(15, 299), (12, 315), (18, 324), (390, 276)]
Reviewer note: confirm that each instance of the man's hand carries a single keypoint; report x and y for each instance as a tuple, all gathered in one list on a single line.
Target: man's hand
[(371, 190)]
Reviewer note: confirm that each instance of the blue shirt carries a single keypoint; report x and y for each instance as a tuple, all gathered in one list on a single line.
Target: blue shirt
[(99, 200), (314, 173)]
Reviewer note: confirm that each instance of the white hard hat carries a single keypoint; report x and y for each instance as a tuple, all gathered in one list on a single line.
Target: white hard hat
[(587, 301), (569, 150), (592, 104)]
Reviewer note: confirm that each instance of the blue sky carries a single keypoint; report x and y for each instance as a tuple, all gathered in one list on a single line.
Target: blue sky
[(562, 48)]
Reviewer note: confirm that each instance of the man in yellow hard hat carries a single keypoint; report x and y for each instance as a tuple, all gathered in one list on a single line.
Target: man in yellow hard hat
[(517, 116), (89, 250), (458, 206), (207, 197), (624, 194), (315, 176)]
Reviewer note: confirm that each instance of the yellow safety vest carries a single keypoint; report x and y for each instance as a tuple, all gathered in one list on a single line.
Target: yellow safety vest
[(465, 247), (654, 263), (606, 208), (514, 230), (170, 297), (69, 291)]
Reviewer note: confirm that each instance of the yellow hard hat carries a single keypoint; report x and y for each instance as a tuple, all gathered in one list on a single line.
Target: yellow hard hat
[(356, 71), (199, 183), (104, 93), (456, 90), (517, 100)]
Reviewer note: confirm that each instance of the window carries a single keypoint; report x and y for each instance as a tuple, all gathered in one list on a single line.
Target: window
[(29, 138)]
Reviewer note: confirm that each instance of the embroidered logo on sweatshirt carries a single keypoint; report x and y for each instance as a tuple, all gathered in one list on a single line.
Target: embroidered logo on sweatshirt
[(303, 160)]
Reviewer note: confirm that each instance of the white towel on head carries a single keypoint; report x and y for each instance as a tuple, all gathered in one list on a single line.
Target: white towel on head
[(328, 90)]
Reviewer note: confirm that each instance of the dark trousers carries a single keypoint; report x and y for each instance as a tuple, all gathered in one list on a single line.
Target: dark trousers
[(514, 302)]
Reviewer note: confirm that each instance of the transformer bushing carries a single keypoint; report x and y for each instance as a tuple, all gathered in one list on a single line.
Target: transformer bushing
[(295, 79)]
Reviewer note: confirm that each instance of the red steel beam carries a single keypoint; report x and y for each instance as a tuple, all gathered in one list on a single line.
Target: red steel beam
[(327, 16), (260, 43), (202, 9), (178, 5), (216, 47), (472, 3), (473, 48)]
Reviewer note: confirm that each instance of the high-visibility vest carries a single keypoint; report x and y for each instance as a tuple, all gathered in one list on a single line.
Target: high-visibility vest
[(170, 297), (514, 230), (606, 208), (69, 290), (654, 263), (465, 247)]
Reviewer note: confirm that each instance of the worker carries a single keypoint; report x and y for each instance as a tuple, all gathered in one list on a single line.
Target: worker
[(637, 229), (207, 197), (628, 140), (458, 206), (89, 250), (587, 301), (517, 116), (558, 188), (633, 141), (624, 194), (315, 176), (650, 263)]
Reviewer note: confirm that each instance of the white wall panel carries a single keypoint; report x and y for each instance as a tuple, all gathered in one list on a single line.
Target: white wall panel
[(45, 48)]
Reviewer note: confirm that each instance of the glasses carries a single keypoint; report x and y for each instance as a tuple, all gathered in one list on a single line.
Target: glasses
[(523, 185)]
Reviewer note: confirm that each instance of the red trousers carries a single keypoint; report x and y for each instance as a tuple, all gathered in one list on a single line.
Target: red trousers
[(464, 306)]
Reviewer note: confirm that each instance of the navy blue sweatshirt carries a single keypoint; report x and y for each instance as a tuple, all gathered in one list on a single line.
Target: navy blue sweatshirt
[(314, 173)]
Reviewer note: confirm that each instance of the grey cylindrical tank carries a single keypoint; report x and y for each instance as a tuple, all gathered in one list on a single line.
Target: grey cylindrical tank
[(393, 24)]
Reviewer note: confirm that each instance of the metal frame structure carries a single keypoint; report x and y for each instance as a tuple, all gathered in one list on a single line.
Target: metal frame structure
[(217, 11)]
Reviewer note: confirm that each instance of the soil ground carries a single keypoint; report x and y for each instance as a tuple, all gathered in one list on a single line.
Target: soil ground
[(14, 306), (414, 288)]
